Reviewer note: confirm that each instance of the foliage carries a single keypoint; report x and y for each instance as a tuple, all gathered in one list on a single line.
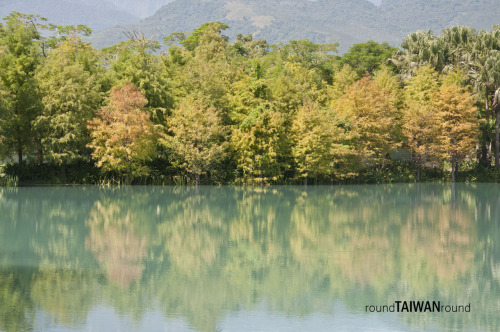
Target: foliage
[(319, 142), (198, 137), (70, 94), (123, 136), (458, 128), (203, 34), (244, 111), (367, 57), (134, 62), (419, 117), (19, 57), (372, 115), (259, 141)]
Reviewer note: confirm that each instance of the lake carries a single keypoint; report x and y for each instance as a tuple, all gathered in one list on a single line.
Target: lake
[(250, 259)]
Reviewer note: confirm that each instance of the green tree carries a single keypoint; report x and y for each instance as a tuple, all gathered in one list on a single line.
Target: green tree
[(135, 61), (366, 58), (496, 107), (70, 92), (206, 68), (482, 62), (261, 142), (203, 34), (319, 58), (19, 57), (249, 48), (460, 47), (198, 139)]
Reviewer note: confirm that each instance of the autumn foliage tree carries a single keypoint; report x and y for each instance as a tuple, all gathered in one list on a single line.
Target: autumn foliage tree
[(372, 119), (318, 141), (123, 136), (419, 117), (458, 125)]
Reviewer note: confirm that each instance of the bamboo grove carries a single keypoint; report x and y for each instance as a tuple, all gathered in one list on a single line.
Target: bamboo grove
[(199, 108)]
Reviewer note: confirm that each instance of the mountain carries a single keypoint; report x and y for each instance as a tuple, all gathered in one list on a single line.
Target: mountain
[(411, 15), (275, 20), (141, 9), (95, 13), (323, 21)]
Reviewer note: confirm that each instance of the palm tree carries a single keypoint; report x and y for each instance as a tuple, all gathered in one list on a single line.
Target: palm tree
[(477, 53), (415, 53), (483, 69)]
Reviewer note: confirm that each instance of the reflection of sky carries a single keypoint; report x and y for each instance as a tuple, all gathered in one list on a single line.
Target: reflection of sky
[(104, 318), (342, 320), (307, 249)]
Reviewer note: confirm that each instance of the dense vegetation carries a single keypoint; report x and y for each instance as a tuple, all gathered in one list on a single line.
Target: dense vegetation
[(245, 112)]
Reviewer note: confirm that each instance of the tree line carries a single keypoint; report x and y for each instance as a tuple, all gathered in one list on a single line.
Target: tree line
[(203, 109)]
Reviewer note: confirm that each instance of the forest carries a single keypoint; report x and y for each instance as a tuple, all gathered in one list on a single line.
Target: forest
[(202, 109)]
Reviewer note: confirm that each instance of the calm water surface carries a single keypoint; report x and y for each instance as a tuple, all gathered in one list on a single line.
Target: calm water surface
[(248, 259)]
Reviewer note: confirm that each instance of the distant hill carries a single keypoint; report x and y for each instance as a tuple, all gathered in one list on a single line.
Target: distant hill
[(412, 15), (141, 9), (95, 13), (324, 21)]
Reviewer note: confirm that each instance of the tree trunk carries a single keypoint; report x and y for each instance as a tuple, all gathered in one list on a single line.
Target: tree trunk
[(418, 172), (305, 181), (39, 155), (20, 157), (497, 140), (63, 173), (197, 180), (486, 148), (487, 104), (453, 170)]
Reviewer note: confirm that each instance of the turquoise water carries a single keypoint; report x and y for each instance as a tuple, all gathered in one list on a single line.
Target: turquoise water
[(248, 259)]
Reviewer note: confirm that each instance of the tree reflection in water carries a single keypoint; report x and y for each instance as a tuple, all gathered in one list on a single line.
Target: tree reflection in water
[(204, 254)]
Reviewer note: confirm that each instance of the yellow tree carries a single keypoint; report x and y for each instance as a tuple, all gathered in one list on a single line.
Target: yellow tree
[(457, 124), (260, 142), (123, 136), (317, 141), (419, 118), (198, 137), (372, 118), (342, 79)]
